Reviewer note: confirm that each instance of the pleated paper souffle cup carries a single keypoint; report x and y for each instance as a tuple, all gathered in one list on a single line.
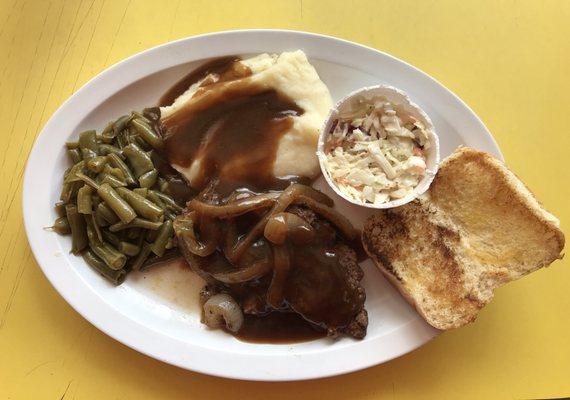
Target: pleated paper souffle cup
[(395, 96)]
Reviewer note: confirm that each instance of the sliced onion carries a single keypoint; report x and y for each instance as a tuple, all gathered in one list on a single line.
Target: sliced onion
[(283, 201), (221, 309), (303, 190), (287, 225), (230, 238), (194, 261), (210, 231), (253, 271), (276, 229), (234, 208), (337, 219), (281, 265), (184, 226)]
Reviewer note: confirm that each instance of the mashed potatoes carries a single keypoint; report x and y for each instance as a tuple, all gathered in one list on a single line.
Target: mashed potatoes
[(291, 75)]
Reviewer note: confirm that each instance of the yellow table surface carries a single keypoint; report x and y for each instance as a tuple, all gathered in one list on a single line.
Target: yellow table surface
[(509, 60)]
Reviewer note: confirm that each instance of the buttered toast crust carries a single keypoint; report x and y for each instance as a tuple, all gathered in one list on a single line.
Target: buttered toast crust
[(477, 228)]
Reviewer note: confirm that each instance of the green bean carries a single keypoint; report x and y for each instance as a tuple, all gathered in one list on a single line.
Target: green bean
[(171, 243), (116, 161), (152, 196), (115, 276), (123, 210), (133, 233), (135, 223), (99, 219), (168, 214), (61, 226), (60, 209), (116, 172), (141, 143), (162, 184), (129, 249), (107, 135), (71, 175), (141, 191), (72, 145), (145, 208), (120, 124), (140, 116), (88, 140), (105, 149), (148, 179), (167, 200), (96, 200), (111, 180), (66, 172), (78, 229), (75, 155), (122, 140), (69, 191), (90, 220), (141, 257), (107, 214), (87, 154), (88, 180), (164, 233), (96, 164), (84, 202), (88, 144), (111, 256), (147, 133), (150, 236), (140, 161), (66, 190), (111, 238)]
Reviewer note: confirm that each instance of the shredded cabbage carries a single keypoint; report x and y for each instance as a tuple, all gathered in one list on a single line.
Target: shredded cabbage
[(374, 154)]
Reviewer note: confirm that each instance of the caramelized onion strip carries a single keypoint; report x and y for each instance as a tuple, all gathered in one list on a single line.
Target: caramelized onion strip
[(252, 271), (286, 225), (210, 231), (194, 261), (281, 266), (314, 194), (184, 226), (235, 208), (283, 201), (337, 219), (230, 237), (286, 198)]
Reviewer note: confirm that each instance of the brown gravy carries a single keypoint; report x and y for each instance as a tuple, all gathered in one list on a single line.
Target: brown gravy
[(277, 328), (217, 66), (232, 125)]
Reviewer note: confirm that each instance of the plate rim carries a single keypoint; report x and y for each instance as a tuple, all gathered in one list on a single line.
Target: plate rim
[(120, 329)]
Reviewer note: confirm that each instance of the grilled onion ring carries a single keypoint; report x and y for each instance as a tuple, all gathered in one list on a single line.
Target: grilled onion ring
[(222, 309)]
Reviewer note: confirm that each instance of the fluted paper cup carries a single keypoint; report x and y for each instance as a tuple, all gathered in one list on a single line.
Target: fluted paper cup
[(395, 96)]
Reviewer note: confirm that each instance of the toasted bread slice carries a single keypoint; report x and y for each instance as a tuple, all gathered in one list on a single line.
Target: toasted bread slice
[(477, 228)]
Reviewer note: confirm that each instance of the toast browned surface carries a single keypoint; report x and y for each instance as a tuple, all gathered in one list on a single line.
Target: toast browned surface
[(477, 228)]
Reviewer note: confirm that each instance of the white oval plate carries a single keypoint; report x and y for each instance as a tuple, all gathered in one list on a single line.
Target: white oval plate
[(157, 313)]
